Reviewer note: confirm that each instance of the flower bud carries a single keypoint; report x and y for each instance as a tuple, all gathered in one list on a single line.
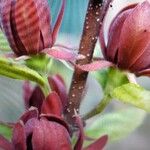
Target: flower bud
[(129, 39), (27, 25)]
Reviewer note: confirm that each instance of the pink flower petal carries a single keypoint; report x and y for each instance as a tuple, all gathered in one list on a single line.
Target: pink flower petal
[(134, 35), (5, 9), (26, 24), (19, 137), (27, 91), (5, 144), (36, 99), (94, 66), (145, 72), (142, 63), (58, 85), (50, 136), (44, 22), (114, 34), (98, 144), (61, 54), (81, 137), (31, 113), (58, 22), (52, 105)]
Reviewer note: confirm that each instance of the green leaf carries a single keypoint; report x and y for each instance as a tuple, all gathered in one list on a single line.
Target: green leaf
[(110, 79), (12, 69), (5, 131), (101, 77), (115, 79), (116, 124), (133, 94), (4, 45)]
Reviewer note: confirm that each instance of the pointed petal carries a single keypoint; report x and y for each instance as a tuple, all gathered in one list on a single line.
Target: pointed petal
[(32, 113), (52, 105), (145, 72), (134, 35), (27, 24), (27, 91), (44, 22), (37, 98), (19, 137), (61, 54), (142, 62), (58, 22), (81, 137), (94, 66), (98, 144), (58, 85), (5, 144), (114, 34), (50, 136), (29, 126), (5, 9), (55, 118)]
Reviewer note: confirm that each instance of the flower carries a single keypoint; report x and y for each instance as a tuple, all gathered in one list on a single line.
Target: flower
[(36, 98), (128, 44), (46, 132), (34, 131), (27, 25)]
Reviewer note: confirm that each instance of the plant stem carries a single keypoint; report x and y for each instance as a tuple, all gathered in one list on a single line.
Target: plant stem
[(93, 22), (101, 106)]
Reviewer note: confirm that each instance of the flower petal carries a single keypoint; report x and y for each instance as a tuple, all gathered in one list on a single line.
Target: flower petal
[(44, 22), (50, 136), (56, 118), (32, 113), (63, 54), (37, 98), (58, 22), (27, 91), (5, 144), (58, 85), (26, 23), (145, 72), (94, 66), (19, 137), (5, 9), (29, 126), (114, 34), (142, 63), (81, 137), (98, 144), (52, 105), (134, 35)]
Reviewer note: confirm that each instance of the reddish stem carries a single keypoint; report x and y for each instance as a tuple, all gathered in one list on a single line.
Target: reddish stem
[(93, 22)]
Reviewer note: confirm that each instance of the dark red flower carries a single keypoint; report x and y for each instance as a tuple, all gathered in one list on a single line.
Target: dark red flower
[(128, 44), (27, 25), (34, 132), (36, 98)]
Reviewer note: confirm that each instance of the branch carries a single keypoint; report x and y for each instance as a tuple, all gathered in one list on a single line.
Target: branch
[(92, 25)]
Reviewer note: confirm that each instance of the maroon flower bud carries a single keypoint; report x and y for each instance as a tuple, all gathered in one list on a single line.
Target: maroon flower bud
[(36, 98), (129, 39), (27, 25)]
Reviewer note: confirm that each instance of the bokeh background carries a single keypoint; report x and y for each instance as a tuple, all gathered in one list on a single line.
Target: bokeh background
[(11, 102)]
